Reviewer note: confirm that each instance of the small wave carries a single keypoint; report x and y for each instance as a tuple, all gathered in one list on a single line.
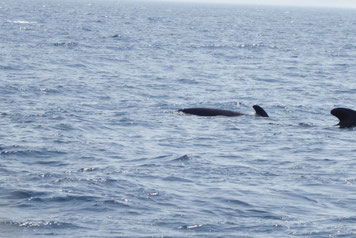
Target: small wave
[(23, 194), (38, 224), (73, 198), (121, 37), (22, 22), (183, 158), (86, 28), (189, 227), (117, 203), (62, 126), (262, 214), (177, 179), (303, 124), (51, 163), (237, 202), (4, 171), (153, 194), (67, 45), (154, 19), (121, 48), (32, 153), (84, 170), (9, 67), (351, 219), (349, 46), (48, 90), (214, 46)]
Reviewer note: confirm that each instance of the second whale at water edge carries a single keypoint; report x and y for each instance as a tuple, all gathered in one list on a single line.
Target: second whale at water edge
[(208, 112)]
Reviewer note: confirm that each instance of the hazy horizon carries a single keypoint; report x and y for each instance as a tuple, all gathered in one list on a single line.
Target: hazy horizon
[(301, 3)]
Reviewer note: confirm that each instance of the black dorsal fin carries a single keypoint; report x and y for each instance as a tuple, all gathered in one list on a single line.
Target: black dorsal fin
[(346, 116), (259, 111)]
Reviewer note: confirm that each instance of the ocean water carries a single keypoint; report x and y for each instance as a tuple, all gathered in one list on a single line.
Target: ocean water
[(91, 144)]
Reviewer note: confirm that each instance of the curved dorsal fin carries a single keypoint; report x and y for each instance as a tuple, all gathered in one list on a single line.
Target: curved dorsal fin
[(259, 111), (346, 116)]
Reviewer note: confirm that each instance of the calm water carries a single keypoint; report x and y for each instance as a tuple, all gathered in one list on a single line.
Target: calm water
[(91, 144)]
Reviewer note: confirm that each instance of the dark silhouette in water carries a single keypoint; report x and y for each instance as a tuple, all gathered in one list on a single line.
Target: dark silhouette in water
[(209, 112), (346, 116)]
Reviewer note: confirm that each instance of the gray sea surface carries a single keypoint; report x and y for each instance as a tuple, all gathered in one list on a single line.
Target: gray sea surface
[(91, 144)]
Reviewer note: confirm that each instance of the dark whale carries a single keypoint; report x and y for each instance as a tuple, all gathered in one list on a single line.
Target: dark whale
[(209, 112), (347, 117)]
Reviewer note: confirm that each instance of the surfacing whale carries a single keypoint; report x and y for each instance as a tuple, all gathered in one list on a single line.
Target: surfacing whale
[(210, 112), (347, 117)]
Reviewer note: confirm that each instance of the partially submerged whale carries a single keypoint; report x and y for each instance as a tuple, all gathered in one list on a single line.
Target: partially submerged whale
[(347, 117), (209, 112)]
